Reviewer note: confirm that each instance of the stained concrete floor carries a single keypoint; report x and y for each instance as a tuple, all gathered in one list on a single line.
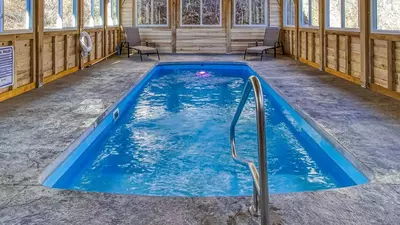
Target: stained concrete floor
[(37, 126)]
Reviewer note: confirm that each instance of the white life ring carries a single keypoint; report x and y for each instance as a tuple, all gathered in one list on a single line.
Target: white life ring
[(86, 47)]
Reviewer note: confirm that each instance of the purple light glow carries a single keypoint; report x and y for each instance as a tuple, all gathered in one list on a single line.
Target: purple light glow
[(203, 74)]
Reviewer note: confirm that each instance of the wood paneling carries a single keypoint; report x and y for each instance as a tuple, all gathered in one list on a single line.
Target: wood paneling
[(59, 54), (242, 38), (161, 37), (24, 79), (127, 13), (200, 40)]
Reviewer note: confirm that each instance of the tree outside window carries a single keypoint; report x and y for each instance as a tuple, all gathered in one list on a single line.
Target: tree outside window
[(152, 12), (200, 12)]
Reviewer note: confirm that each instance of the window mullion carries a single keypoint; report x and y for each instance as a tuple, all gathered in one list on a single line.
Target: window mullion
[(327, 13), (1, 15), (74, 12), (310, 17), (266, 14), (152, 12), (250, 14), (343, 14), (374, 15), (60, 14), (201, 12)]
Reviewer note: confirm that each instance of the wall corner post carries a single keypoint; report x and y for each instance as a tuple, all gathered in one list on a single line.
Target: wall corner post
[(38, 29), (322, 43), (365, 30)]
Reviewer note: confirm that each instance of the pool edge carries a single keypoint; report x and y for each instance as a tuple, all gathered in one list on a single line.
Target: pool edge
[(50, 169)]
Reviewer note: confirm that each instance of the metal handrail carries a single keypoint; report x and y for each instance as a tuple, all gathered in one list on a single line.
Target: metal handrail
[(260, 182)]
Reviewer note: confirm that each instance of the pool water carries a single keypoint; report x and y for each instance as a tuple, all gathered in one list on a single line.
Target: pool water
[(172, 139)]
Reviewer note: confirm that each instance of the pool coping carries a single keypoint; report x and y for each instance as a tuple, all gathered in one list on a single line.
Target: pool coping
[(63, 157)]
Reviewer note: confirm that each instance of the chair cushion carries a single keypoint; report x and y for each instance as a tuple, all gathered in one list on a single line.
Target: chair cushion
[(144, 49), (258, 49)]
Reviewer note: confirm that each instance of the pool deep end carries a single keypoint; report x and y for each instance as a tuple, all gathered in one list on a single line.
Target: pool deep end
[(169, 136)]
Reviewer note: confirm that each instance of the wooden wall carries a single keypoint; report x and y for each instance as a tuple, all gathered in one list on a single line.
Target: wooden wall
[(206, 39), (43, 56), (342, 52), (24, 80), (385, 63)]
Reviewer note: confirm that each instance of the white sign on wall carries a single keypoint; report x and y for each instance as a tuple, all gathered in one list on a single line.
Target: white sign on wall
[(6, 66)]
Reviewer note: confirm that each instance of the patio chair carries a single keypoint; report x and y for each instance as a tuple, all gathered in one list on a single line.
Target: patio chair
[(133, 41), (271, 42)]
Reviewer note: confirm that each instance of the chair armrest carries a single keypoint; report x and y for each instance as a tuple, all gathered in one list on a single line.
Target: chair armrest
[(251, 45), (152, 44), (278, 44)]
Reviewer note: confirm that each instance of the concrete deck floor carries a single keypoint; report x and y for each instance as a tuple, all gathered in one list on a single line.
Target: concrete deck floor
[(37, 126)]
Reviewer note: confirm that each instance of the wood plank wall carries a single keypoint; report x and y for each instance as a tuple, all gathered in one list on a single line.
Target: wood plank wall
[(226, 38), (56, 55), (24, 80), (342, 55)]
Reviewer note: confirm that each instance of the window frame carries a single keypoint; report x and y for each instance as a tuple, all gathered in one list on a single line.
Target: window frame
[(151, 25), (285, 11), (374, 20), (266, 8), (60, 15), (342, 17), (301, 17), (201, 17), (28, 10)]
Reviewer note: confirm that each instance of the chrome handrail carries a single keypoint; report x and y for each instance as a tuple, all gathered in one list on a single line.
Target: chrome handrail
[(260, 182)]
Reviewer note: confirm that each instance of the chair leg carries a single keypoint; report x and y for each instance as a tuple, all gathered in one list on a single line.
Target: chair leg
[(262, 54), (158, 54), (274, 52), (129, 51), (245, 52), (283, 51), (140, 53)]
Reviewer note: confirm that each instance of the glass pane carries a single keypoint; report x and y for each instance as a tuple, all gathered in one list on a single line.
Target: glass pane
[(87, 16), (110, 6), (351, 14), (51, 19), (315, 13), (68, 14), (388, 15), (290, 14), (98, 20), (190, 12), (334, 13), (160, 12), (15, 15), (242, 14), (115, 12), (305, 13), (258, 12), (211, 12), (143, 12)]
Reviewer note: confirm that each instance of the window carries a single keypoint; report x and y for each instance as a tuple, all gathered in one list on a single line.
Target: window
[(152, 12), (309, 13), (385, 15), (254, 15), (200, 12), (15, 15), (60, 14), (93, 13), (342, 13), (113, 11), (289, 13)]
